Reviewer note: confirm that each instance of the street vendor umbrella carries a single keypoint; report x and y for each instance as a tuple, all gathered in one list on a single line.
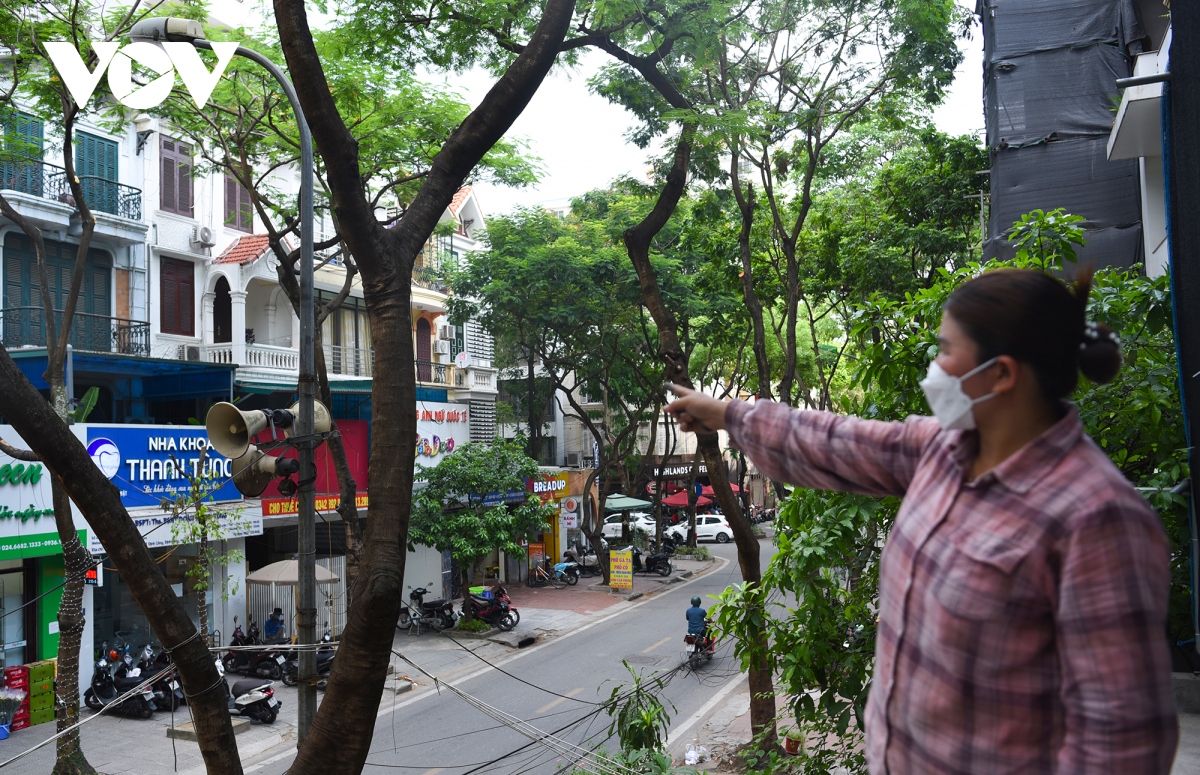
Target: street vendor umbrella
[(681, 499), (287, 572), (708, 490), (624, 503)]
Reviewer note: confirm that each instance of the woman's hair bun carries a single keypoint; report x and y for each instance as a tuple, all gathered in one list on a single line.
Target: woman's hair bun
[(1099, 353)]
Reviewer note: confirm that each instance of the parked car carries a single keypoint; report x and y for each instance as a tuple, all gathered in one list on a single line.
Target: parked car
[(637, 519), (712, 527)]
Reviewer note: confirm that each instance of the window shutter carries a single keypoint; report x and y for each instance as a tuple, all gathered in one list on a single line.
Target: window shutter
[(245, 210), (167, 191), (231, 192), (169, 294), (185, 179), (187, 296)]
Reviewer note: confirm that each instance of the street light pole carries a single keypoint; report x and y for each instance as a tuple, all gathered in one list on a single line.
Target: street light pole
[(186, 30)]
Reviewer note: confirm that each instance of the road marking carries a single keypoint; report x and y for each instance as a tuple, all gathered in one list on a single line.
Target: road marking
[(556, 701), (434, 771), (272, 760), (667, 639), (679, 731)]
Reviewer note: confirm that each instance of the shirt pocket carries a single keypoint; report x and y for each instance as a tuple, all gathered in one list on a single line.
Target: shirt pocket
[(978, 576)]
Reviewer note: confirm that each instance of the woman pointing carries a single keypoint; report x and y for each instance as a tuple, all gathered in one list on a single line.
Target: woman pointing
[(1023, 589)]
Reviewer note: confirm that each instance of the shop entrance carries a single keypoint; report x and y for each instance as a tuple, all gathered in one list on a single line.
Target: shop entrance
[(12, 624)]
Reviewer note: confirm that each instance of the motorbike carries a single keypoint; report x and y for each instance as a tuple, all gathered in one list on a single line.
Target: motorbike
[(324, 665), (659, 562), (251, 697), (439, 613), (168, 695), (109, 683), (496, 610), (568, 571), (267, 663), (703, 646)]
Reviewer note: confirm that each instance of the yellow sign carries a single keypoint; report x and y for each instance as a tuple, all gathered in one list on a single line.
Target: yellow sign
[(620, 564)]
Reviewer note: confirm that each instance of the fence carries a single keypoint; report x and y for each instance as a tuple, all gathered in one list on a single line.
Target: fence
[(332, 604)]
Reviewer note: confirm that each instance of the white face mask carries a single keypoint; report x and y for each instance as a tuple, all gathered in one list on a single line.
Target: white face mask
[(951, 406)]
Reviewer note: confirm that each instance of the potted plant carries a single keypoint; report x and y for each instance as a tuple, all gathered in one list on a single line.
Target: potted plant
[(792, 741)]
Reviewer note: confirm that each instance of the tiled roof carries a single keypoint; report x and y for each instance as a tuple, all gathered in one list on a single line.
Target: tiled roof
[(244, 249), (459, 198)]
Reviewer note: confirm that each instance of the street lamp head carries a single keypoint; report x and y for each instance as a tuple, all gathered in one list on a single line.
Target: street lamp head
[(167, 28)]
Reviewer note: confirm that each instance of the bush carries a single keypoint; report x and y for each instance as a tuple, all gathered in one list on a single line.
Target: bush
[(474, 625)]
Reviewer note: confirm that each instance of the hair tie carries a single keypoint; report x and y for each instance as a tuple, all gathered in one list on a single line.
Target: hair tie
[(1092, 333)]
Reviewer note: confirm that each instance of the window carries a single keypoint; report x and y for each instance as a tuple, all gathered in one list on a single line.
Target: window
[(239, 212), (96, 166), (178, 292), (175, 180)]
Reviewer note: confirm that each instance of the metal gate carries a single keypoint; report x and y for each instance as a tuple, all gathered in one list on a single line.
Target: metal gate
[(261, 599)]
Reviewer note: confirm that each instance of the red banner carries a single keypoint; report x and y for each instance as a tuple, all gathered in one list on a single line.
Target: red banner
[(280, 507), (354, 439)]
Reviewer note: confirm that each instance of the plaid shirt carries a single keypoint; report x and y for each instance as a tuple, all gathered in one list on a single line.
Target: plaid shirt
[(1022, 615)]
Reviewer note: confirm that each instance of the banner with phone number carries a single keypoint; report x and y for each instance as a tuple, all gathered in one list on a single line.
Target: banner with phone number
[(620, 564)]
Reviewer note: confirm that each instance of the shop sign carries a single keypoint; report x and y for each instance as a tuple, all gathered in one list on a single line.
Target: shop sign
[(138, 460), (156, 529), (678, 472), (27, 527), (537, 554), (509, 497), (570, 520), (620, 567), (548, 487), (440, 428), (281, 507)]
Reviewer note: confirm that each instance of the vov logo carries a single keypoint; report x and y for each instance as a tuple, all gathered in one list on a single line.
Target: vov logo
[(165, 59)]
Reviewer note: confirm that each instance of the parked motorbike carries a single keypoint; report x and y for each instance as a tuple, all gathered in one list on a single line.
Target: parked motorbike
[(108, 685), (291, 668), (267, 663), (567, 571), (439, 613), (702, 646), (168, 695), (496, 610), (659, 562), (251, 697)]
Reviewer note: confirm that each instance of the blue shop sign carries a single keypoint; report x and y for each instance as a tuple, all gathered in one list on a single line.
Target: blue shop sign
[(138, 460), (510, 497)]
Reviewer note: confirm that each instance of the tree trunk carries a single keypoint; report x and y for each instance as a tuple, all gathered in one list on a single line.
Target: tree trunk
[(100, 503), (746, 206), (637, 243), (206, 581), (535, 424), (340, 737), (69, 756), (347, 507)]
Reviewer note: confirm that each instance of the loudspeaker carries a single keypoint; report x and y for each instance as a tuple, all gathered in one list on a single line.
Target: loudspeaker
[(230, 429), (321, 418), (254, 470)]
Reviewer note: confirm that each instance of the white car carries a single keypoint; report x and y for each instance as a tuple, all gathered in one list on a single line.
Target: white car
[(637, 519), (708, 527)]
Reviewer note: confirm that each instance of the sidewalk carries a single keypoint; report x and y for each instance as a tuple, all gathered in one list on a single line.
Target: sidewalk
[(119, 745)]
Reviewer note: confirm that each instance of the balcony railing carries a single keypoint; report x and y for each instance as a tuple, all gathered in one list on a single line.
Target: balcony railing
[(430, 373), (26, 326), (47, 181), (349, 361), (428, 277)]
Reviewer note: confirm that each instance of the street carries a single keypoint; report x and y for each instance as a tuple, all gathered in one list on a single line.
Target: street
[(554, 685)]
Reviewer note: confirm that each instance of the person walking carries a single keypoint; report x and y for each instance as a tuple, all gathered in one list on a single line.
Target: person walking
[(1023, 588)]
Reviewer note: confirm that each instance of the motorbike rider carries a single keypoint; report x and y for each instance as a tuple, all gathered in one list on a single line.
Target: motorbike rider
[(697, 619)]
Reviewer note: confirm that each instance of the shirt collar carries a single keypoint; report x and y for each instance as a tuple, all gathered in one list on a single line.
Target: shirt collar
[(1026, 467)]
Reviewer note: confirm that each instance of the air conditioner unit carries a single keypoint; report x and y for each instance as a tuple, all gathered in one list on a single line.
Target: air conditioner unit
[(446, 331), (572, 460), (189, 352), (202, 237), (441, 347)]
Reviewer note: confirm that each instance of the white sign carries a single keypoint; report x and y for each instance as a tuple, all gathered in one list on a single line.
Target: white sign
[(440, 428), (570, 521), (156, 530), (164, 59)]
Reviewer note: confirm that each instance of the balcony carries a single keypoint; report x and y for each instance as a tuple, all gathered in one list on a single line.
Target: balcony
[(262, 356), (349, 361), (25, 327), (49, 182), (438, 374)]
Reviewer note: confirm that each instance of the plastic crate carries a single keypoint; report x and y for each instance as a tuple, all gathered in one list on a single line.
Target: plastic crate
[(16, 671), (19, 724), (41, 716), (41, 702), (17, 683), (41, 671), (37, 688)]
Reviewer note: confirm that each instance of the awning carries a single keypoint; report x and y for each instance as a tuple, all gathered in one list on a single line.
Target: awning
[(708, 490), (161, 378), (286, 383), (624, 503)]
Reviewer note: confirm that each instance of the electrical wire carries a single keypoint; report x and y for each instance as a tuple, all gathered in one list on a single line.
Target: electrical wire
[(516, 678)]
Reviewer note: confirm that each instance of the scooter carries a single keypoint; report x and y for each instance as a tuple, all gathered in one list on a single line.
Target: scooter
[(703, 646), (437, 613), (291, 668), (658, 562), (251, 697), (108, 685), (168, 695), (267, 664), (496, 610)]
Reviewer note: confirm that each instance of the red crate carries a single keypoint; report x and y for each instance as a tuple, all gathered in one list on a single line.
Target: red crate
[(16, 670), (19, 724)]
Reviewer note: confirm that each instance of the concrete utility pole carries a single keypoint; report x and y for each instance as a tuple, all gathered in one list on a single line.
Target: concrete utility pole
[(189, 31)]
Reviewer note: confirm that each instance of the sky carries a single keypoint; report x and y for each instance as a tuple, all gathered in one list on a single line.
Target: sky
[(580, 137)]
